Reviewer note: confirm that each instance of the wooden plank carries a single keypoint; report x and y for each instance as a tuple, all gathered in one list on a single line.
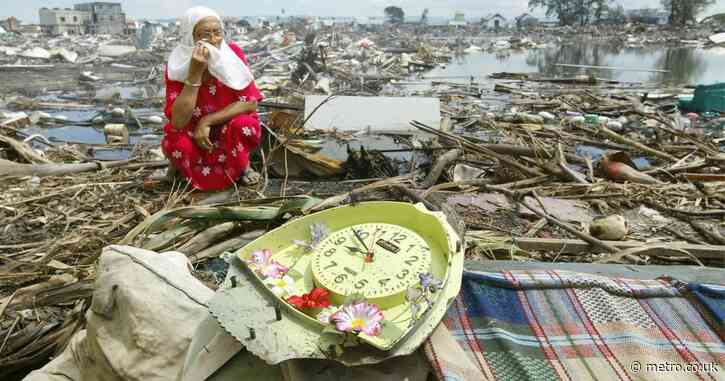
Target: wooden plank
[(614, 68), (575, 246)]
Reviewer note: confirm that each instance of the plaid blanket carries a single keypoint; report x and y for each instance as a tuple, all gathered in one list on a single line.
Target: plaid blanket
[(558, 325)]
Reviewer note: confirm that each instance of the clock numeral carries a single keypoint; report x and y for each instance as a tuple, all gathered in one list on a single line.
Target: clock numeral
[(331, 265), (362, 283), (403, 274), (363, 233), (412, 260), (350, 271), (383, 282), (329, 252), (340, 278), (398, 237), (340, 241)]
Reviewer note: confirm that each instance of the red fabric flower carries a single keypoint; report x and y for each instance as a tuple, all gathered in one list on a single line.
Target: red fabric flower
[(317, 298)]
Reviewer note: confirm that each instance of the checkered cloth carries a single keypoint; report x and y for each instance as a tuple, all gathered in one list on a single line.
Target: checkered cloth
[(557, 325)]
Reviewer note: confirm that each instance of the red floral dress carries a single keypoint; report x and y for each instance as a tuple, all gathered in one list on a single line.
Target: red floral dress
[(232, 141)]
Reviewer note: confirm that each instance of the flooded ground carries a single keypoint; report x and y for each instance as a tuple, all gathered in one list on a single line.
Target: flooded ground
[(684, 65)]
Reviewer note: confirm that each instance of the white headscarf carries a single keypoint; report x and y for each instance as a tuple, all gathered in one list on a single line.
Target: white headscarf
[(224, 64)]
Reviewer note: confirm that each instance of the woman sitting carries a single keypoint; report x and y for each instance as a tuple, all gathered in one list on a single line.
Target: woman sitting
[(211, 101)]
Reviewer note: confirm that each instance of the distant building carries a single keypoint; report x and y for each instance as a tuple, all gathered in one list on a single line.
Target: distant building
[(63, 21), (549, 22), (459, 19), (495, 21), (650, 16), (10, 24), (526, 21), (106, 18), (93, 18), (30, 29)]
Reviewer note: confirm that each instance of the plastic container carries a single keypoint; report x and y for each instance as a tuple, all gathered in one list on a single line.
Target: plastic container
[(547, 115), (591, 118), (614, 125)]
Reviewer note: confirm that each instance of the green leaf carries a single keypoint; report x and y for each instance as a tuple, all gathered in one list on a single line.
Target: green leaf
[(354, 298), (330, 329)]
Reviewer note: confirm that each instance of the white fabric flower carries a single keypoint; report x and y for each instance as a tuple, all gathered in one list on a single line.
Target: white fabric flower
[(212, 89), (222, 158), (282, 287), (206, 171), (325, 315), (176, 154), (246, 131), (234, 152), (242, 98), (197, 112)]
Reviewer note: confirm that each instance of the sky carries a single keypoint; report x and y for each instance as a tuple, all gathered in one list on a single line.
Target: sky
[(27, 10)]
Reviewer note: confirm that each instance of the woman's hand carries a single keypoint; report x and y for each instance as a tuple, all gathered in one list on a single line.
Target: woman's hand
[(201, 135), (199, 61)]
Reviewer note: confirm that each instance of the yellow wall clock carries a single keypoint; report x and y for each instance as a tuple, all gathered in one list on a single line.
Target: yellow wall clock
[(375, 270)]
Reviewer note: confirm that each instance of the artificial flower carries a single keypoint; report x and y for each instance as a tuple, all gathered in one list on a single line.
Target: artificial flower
[(325, 315), (428, 281), (318, 232), (281, 286), (317, 298), (261, 261), (359, 317)]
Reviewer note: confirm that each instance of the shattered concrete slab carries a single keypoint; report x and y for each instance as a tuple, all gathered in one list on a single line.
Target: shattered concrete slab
[(379, 114)]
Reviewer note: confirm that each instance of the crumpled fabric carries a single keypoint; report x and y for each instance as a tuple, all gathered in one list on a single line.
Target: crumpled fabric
[(224, 64)]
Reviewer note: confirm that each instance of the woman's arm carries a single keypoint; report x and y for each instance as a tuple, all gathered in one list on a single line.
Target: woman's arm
[(228, 113), (184, 104)]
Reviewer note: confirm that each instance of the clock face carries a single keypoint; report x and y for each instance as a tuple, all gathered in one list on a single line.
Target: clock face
[(376, 260)]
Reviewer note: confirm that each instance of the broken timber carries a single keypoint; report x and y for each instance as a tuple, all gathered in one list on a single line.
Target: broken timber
[(575, 246)]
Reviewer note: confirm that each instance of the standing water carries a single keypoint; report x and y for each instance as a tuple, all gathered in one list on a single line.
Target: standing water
[(684, 65)]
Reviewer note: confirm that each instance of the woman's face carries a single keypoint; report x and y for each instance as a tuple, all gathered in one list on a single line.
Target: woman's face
[(210, 30)]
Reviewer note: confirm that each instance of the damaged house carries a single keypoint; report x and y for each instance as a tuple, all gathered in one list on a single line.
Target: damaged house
[(85, 18)]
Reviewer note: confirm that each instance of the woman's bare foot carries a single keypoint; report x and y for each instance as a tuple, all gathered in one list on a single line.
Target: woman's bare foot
[(250, 177)]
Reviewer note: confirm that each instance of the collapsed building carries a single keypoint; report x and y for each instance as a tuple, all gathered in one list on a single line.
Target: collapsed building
[(85, 18)]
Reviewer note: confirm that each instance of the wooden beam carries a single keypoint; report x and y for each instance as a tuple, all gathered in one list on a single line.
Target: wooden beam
[(576, 246)]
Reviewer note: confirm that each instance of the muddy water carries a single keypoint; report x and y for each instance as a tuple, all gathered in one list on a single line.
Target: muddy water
[(684, 65)]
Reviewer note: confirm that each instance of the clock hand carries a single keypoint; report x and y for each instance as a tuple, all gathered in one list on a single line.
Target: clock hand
[(357, 235), (354, 249)]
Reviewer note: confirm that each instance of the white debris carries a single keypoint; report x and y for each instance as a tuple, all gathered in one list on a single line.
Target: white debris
[(155, 119), (66, 54), (547, 115), (36, 52), (717, 38), (115, 50)]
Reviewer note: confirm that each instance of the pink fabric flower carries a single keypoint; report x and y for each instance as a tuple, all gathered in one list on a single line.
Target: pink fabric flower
[(359, 317), (261, 262)]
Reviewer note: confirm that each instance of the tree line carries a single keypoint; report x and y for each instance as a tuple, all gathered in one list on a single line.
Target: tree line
[(584, 12)]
